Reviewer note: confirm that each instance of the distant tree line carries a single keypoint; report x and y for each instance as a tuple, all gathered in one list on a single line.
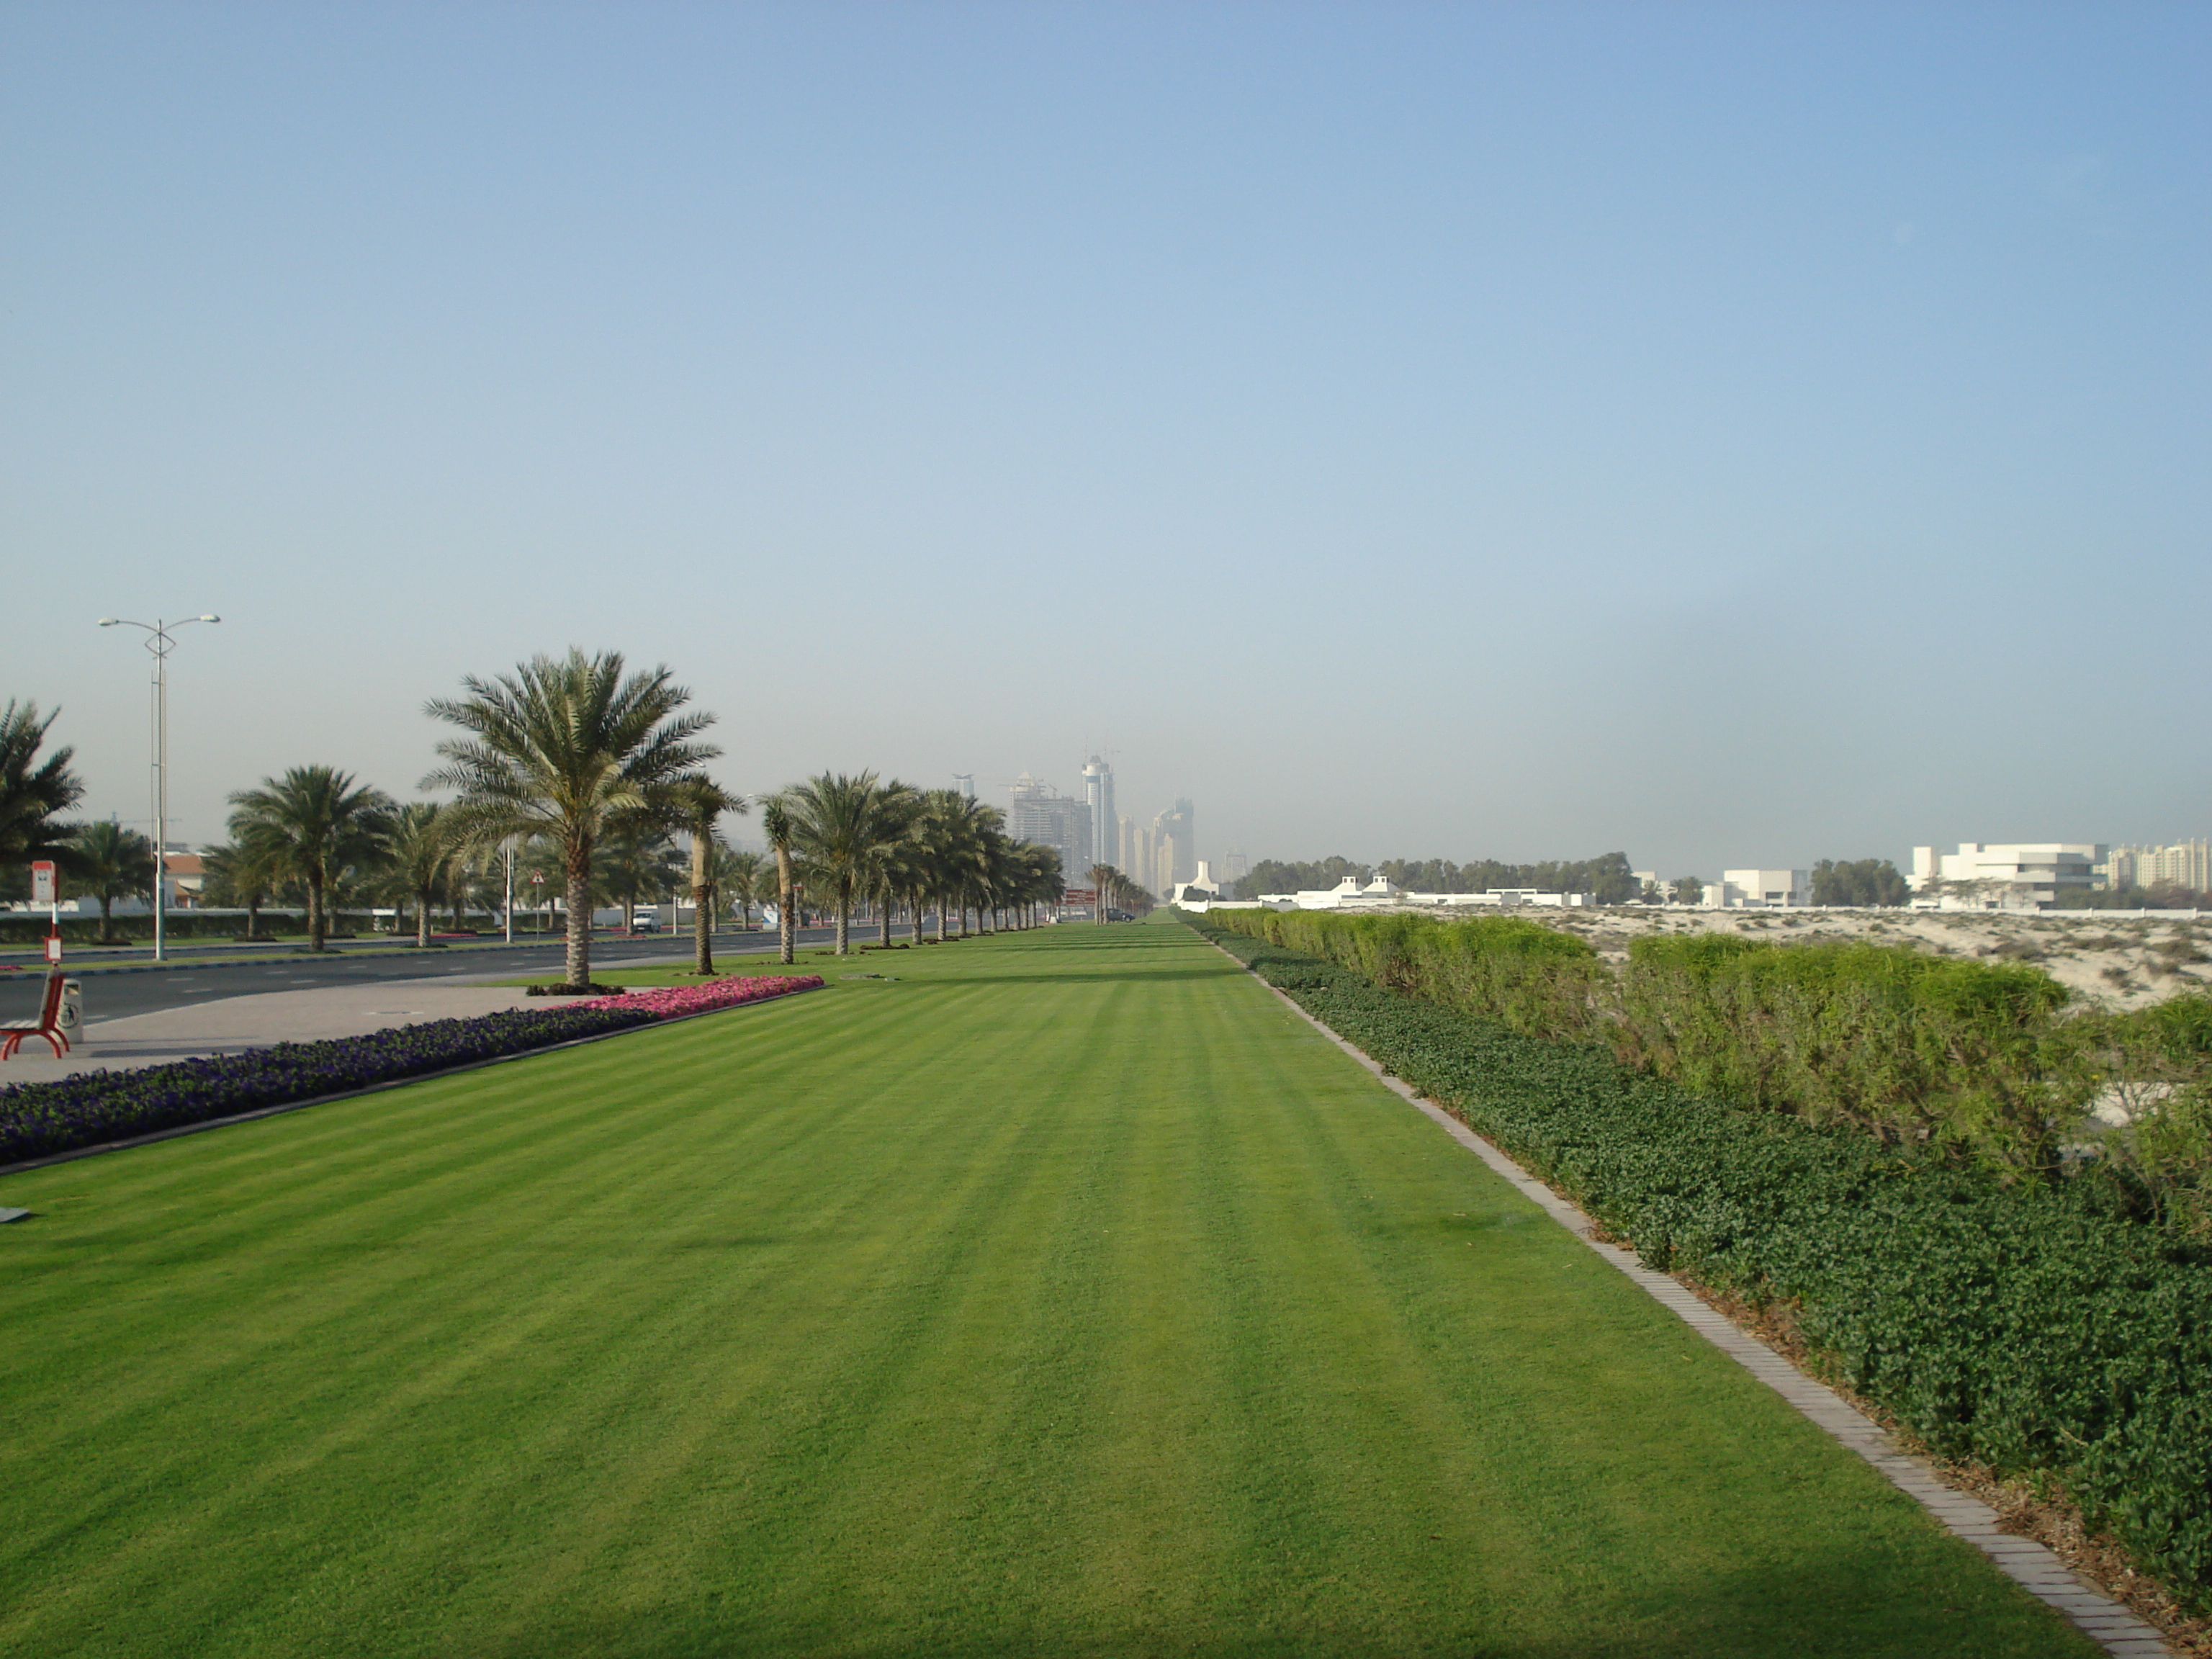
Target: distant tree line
[(1608, 876), (1859, 881)]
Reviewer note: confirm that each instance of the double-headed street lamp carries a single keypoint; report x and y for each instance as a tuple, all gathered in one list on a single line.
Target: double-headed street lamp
[(158, 641)]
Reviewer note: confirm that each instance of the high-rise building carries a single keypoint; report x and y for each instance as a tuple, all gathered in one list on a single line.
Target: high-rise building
[(1176, 851), (1126, 854), (1040, 813), (2184, 864), (1098, 797), (965, 783)]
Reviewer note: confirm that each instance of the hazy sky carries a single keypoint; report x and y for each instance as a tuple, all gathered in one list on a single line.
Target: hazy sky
[(1729, 434)]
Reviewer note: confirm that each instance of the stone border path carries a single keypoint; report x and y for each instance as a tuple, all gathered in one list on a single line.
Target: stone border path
[(2028, 1564)]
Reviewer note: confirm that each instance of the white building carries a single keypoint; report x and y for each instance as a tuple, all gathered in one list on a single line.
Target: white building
[(1760, 890), (1382, 893), (2044, 875)]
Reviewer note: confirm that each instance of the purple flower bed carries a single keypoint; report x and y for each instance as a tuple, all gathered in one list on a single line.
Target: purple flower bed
[(37, 1119)]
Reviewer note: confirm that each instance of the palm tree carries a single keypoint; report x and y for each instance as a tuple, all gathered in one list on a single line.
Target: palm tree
[(421, 850), (635, 864), (33, 793), (742, 877), (952, 830), (314, 825), (570, 751), (108, 862), (1042, 882), (840, 824), (705, 802), (776, 825), (238, 875), (898, 869)]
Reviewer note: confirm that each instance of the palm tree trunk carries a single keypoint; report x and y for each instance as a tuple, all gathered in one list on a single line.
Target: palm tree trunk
[(253, 916), (787, 933), (315, 923), (423, 920), (702, 913), (884, 923), (579, 863), (844, 922), (940, 917)]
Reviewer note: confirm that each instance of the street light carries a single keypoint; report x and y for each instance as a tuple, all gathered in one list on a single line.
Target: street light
[(158, 641)]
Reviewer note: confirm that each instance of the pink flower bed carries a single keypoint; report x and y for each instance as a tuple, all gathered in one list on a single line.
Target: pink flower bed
[(668, 1002)]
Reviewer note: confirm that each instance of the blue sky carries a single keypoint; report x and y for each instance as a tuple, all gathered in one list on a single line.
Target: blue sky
[(1731, 434)]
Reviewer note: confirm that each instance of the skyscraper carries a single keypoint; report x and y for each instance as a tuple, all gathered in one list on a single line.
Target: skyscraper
[(1039, 812), (1098, 797), (1176, 847)]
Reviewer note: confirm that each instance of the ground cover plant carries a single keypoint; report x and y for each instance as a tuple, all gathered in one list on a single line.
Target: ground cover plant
[(1064, 1296), (92, 1108), (2035, 1327)]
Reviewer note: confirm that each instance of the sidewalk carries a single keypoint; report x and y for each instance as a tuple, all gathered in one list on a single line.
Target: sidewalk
[(230, 1025)]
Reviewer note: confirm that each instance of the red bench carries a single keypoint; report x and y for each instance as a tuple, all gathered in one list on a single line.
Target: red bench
[(49, 1025)]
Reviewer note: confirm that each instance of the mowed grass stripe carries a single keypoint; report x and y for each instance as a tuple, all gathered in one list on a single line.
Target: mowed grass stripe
[(1068, 1295)]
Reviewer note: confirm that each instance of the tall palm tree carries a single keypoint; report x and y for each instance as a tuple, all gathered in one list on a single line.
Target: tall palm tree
[(704, 802), (742, 877), (776, 825), (108, 862), (952, 829), (313, 825), (840, 824), (421, 850), (897, 870), (570, 749), (33, 793), (1042, 883)]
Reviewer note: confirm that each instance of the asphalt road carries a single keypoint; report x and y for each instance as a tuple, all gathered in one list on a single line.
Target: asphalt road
[(117, 996)]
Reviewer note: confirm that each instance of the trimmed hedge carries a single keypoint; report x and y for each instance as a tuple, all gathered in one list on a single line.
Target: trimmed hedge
[(2031, 1326)]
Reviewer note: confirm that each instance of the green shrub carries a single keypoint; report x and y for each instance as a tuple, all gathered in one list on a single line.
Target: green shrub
[(1882, 1037), (1528, 977)]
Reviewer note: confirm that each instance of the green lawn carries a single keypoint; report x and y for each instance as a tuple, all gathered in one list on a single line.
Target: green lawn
[(1066, 1296)]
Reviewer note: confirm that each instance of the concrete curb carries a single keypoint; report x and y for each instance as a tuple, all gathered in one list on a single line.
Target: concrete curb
[(2108, 1623), (259, 1112)]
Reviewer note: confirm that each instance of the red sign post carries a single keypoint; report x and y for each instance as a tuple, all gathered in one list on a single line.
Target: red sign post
[(44, 890)]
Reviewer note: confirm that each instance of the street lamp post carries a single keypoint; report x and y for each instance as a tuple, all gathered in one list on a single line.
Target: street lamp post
[(161, 643)]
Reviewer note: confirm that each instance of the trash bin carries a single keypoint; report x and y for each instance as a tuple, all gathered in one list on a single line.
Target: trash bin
[(70, 1019)]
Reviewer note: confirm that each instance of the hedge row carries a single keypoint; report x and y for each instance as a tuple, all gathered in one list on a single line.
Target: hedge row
[(2031, 1326), (1985, 1057)]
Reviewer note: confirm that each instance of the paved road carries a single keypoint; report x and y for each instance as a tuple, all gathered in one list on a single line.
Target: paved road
[(118, 996)]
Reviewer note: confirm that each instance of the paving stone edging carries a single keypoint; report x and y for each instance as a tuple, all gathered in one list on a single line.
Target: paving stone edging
[(176, 1131), (2108, 1623)]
